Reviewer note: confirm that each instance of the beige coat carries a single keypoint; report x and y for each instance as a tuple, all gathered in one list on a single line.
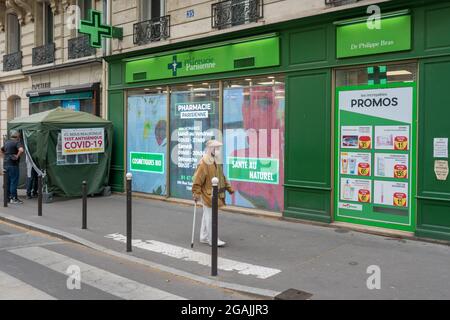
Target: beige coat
[(202, 186)]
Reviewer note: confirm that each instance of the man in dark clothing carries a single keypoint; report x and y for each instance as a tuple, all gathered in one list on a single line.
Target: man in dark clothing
[(12, 150)]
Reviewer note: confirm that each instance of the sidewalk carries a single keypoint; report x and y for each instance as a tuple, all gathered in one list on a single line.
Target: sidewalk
[(265, 253)]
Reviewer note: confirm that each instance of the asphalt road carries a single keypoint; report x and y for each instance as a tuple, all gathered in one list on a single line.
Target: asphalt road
[(34, 266)]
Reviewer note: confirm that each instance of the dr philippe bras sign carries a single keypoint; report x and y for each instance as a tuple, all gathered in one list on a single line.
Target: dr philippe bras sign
[(82, 141)]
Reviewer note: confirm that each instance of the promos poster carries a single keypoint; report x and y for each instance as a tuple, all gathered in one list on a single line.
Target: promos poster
[(356, 190), (391, 193), (375, 138), (392, 138), (391, 165), (356, 137), (356, 164)]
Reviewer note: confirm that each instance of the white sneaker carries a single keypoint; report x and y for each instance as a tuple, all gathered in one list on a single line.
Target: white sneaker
[(220, 243)]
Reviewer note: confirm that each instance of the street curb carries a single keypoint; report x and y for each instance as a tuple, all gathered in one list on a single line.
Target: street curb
[(264, 293)]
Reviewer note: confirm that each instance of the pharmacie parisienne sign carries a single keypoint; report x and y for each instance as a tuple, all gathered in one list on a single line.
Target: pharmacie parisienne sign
[(252, 54), (358, 40), (199, 110)]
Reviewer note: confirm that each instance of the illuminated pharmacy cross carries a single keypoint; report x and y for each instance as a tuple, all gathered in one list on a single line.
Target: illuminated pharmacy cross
[(174, 65), (95, 29)]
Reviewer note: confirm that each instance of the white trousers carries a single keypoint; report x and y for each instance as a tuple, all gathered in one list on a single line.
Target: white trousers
[(206, 228)]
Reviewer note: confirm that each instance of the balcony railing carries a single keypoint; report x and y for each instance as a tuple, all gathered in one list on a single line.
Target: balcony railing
[(230, 13), (156, 29), (80, 47), (44, 54), (12, 61)]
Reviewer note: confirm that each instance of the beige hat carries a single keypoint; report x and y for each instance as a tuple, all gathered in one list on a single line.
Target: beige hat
[(213, 143)]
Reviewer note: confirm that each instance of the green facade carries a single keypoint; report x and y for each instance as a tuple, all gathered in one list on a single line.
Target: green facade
[(308, 58)]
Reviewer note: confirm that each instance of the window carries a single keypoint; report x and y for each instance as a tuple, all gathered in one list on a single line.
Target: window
[(359, 76), (14, 107), (13, 34), (85, 6), (152, 9), (44, 29), (47, 15)]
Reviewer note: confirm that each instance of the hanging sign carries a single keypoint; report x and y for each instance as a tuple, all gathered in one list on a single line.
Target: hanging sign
[(83, 141), (441, 169), (357, 39)]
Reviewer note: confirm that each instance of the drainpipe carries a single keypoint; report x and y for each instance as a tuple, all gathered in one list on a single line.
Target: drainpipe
[(106, 52)]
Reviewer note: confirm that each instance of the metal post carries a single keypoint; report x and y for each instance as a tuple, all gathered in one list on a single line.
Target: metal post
[(215, 207), (39, 195), (129, 177), (84, 206), (5, 189)]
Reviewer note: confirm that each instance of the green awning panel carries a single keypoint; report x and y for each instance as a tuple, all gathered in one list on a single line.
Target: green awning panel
[(67, 96)]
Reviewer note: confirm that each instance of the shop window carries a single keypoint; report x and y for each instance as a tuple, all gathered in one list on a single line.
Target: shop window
[(75, 159), (147, 140), (194, 119), (360, 76), (253, 130), (13, 33)]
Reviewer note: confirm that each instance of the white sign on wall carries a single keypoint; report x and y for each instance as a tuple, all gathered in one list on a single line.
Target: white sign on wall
[(83, 141)]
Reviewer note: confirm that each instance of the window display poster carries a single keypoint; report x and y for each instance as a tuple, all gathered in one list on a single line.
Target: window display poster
[(391, 165), (256, 178), (356, 137), (356, 164), (356, 190), (195, 121), (375, 138), (389, 193), (392, 138), (147, 142)]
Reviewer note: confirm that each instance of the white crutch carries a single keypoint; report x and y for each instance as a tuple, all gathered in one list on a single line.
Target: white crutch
[(193, 224)]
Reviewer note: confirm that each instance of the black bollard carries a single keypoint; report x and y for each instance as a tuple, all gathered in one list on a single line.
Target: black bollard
[(84, 206), (5, 189), (129, 177), (215, 227), (39, 195)]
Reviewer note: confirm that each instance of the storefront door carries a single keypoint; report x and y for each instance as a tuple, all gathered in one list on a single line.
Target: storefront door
[(375, 143)]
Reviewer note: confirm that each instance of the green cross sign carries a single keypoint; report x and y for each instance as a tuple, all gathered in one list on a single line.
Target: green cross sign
[(174, 65), (96, 30)]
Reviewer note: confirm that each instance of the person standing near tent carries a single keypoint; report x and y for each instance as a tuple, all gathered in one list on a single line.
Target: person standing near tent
[(32, 180), (12, 150), (210, 166)]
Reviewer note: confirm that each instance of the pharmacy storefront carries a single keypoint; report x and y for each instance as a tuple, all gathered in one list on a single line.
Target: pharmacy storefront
[(324, 118), (168, 124)]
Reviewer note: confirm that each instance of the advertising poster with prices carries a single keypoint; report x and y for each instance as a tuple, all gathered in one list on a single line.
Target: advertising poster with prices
[(375, 138)]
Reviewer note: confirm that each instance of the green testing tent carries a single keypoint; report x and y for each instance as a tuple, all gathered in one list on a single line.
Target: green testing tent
[(64, 173)]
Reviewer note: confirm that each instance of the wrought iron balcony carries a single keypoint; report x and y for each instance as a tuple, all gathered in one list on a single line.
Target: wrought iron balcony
[(339, 2), (12, 61), (230, 13), (151, 30), (80, 47), (44, 54)]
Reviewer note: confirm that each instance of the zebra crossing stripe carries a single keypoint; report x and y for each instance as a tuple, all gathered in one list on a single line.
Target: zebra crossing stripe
[(95, 277), (14, 289), (201, 258)]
